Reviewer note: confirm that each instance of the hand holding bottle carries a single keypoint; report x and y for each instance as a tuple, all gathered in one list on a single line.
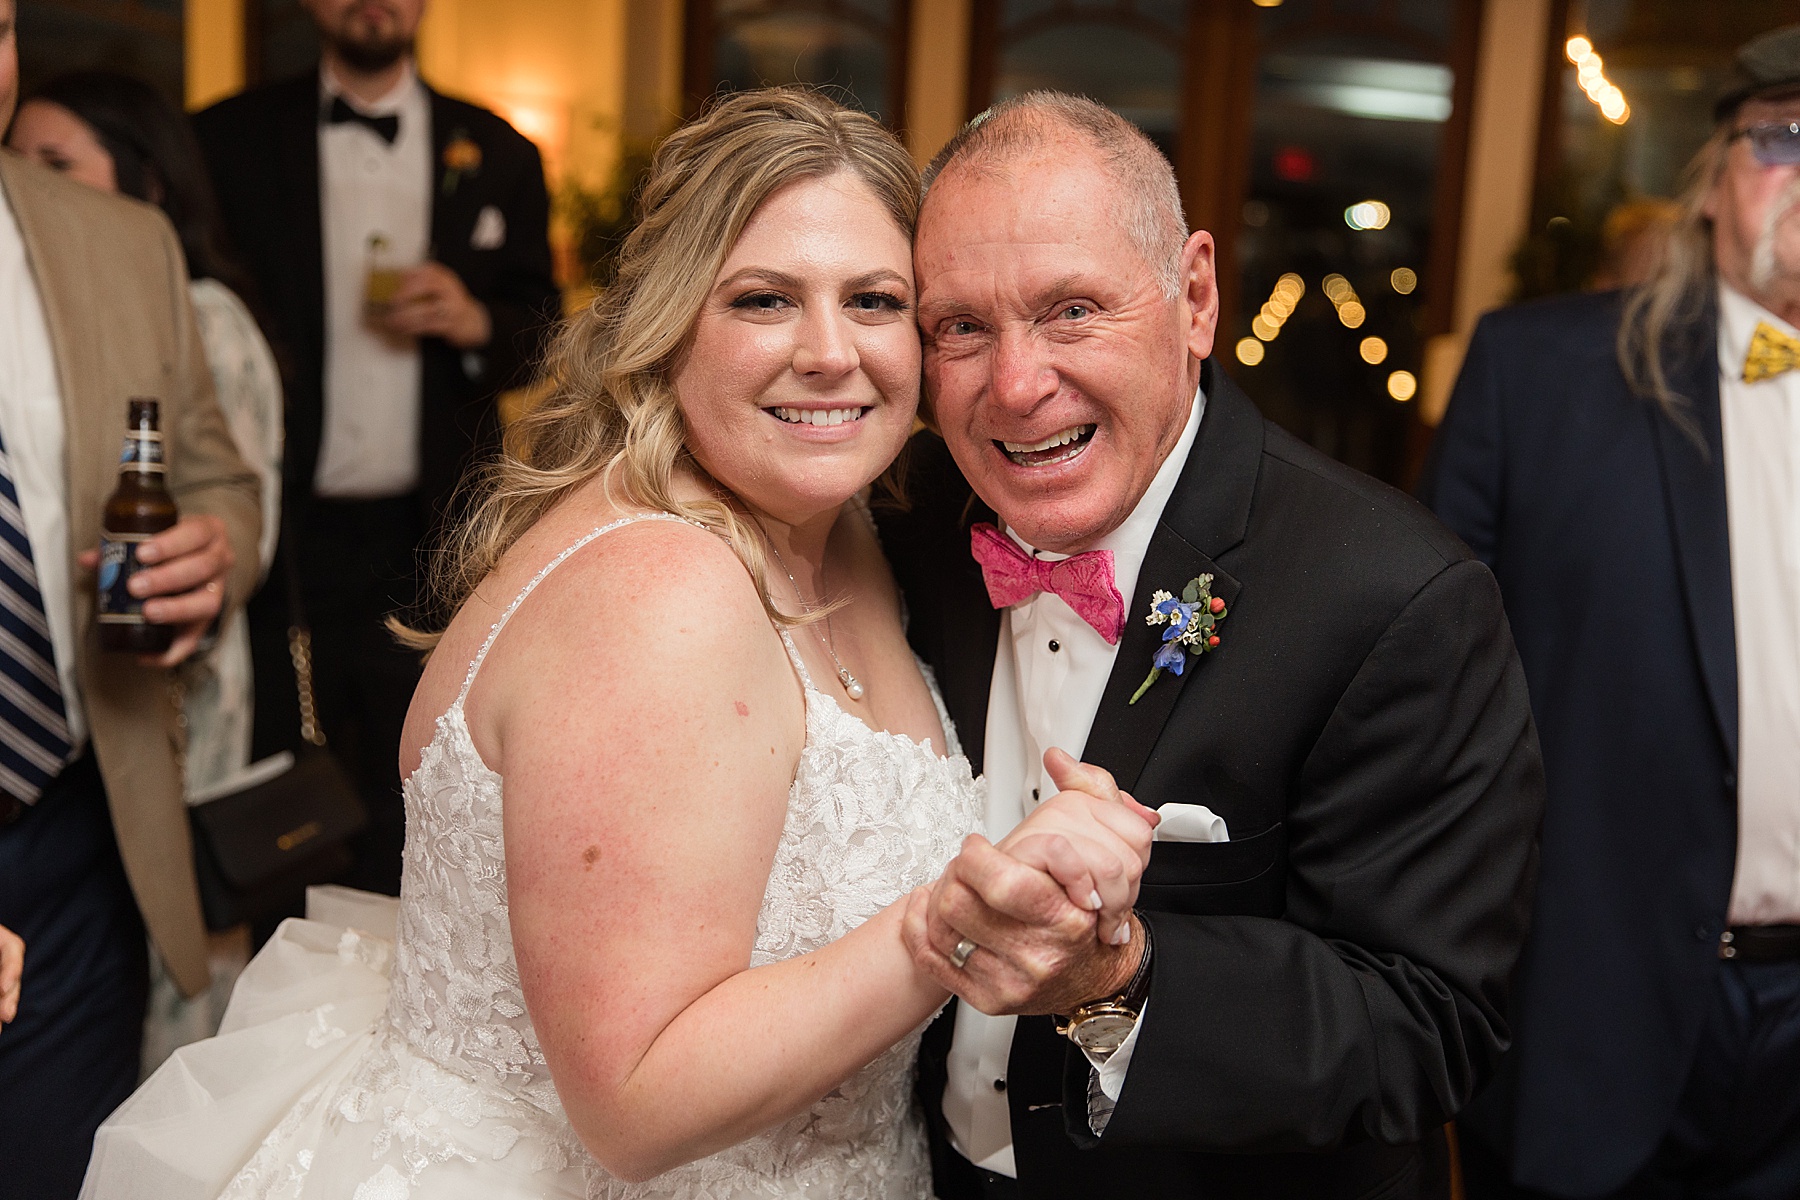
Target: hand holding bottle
[(182, 582)]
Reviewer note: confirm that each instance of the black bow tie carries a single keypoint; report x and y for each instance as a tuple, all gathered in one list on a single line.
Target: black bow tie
[(386, 127)]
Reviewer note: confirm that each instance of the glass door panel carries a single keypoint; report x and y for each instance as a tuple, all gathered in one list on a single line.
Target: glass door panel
[(854, 49)]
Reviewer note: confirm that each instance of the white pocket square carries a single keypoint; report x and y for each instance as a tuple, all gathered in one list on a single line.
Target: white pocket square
[(490, 229), (1190, 823)]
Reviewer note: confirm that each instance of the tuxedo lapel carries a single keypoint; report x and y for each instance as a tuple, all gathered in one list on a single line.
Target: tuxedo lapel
[(970, 639), (293, 281), (1207, 514), (1123, 734), (455, 187), (303, 230), (1694, 488)]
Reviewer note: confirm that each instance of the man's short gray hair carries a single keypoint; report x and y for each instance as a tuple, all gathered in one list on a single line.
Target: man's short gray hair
[(1153, 219)]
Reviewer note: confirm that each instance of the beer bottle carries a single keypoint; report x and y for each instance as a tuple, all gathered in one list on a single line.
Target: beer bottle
[(139, 508)]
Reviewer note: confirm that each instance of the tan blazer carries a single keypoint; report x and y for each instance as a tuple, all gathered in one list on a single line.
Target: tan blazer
[(114, 288)]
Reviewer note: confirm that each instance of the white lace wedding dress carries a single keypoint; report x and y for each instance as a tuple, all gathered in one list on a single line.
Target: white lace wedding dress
[(357, 1068)]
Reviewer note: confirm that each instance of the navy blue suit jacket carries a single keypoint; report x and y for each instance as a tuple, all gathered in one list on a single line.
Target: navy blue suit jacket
[(1604, 521)]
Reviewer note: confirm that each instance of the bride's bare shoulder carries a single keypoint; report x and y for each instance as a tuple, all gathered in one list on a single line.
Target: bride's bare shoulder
[(632, 601)]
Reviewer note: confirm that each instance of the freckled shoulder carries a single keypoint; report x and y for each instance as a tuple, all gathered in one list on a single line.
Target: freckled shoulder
[(644, 598), (650, 620)]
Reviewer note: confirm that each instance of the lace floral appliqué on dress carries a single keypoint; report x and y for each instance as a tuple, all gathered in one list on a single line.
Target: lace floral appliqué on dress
[(339, 1074)]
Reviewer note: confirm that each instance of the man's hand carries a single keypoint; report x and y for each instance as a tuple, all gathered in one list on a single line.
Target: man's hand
[(431, 301), (1089, 823), (1037, 951), (12, 971), (182, 583)]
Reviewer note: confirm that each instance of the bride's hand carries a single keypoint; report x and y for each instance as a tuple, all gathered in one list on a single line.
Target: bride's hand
[(1092, 838)]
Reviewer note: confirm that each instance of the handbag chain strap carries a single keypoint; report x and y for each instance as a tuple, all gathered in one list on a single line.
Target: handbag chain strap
[(299, 637), (300, 650)]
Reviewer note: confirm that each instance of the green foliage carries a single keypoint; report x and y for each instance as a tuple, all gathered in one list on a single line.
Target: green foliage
[(599, 219)]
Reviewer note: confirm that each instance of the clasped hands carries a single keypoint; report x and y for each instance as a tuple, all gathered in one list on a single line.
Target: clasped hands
[(1048, 908)]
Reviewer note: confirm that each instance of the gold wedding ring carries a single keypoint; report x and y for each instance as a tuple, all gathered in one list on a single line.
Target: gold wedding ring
[(959, 957)]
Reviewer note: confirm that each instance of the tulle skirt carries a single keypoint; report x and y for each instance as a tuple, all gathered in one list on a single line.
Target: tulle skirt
[(307, 1092)]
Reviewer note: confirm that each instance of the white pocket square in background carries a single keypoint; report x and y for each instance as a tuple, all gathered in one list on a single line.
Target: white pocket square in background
[(490, 229), (1190, 823)]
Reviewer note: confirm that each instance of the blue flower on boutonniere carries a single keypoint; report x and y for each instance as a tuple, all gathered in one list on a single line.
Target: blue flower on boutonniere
[(1192, 624)]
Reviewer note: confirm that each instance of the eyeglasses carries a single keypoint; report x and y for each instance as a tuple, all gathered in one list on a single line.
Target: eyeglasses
[(1774, 144)]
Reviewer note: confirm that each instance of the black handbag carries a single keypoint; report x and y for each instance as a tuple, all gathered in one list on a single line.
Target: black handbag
[(288, 823)]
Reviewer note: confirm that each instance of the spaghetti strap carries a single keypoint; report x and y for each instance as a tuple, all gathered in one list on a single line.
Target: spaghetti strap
[(559, 560), (794, 654)]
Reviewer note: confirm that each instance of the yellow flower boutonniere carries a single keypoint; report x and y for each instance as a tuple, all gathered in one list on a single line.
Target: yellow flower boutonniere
[(461, 157)]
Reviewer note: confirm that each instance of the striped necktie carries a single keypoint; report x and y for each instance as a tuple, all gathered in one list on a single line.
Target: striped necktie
[(34, 726)]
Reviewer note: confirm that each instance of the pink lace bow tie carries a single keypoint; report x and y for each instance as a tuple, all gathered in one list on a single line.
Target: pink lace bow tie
[(1084, 581)]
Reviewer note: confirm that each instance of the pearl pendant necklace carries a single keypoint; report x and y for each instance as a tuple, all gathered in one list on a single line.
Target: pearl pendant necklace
[(853, 686)]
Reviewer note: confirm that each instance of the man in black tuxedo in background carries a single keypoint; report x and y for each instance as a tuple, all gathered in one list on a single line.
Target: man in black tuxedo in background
[(1629, 466), (399, 239), (1297, 1010)]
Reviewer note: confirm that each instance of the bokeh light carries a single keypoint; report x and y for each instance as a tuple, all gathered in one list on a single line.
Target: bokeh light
[(1249, 351), (1373, 350), (1402, 386), (1352, 314), (1404, 279), (1368, 214), (1590, 72)]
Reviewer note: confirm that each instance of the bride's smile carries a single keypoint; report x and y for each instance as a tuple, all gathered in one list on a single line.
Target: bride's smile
[(801, 377)]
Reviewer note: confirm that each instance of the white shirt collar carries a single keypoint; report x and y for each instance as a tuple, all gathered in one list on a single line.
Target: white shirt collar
[(1738, 317), (1131, 540), (395, 99)]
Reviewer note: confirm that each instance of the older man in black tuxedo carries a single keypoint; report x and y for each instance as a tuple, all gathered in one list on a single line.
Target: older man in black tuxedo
[(1316, 979), (1629, 466), (399, 241)]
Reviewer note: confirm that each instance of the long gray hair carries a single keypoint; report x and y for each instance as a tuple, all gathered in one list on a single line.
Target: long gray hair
[(1661, 314)]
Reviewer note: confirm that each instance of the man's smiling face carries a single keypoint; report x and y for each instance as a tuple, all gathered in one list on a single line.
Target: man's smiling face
[(1060, 374)]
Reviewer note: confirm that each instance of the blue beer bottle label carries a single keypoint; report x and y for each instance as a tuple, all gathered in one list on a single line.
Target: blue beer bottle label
[(118, 563), (143, 449)]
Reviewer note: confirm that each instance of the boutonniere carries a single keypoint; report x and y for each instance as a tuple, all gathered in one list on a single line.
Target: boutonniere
[(1192, 624), (461, 157)]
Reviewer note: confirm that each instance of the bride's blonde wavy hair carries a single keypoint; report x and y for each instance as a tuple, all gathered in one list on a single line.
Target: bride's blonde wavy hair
[(612, 406)]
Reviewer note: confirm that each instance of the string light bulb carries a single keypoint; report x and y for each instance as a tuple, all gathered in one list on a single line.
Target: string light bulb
[(1590, 73)]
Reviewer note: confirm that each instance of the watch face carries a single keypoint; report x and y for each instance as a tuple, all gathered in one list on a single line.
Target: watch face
[(1103, 1032)]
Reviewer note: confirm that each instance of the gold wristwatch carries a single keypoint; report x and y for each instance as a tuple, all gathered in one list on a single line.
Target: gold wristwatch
[(1100, 1027)]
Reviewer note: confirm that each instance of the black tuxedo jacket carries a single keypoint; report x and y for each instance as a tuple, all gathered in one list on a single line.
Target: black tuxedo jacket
[(1330, 986), (1604, 521), (263, 151)]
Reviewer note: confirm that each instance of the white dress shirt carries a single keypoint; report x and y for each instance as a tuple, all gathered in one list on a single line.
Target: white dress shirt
[(370, 444), (1762, 497), (33, 428), (1050, 670)]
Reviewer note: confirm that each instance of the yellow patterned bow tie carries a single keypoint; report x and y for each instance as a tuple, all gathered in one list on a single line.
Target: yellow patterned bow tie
[(1772, 353)]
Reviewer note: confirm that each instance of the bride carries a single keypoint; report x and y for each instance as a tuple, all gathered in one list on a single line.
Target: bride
[(670, 963)]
